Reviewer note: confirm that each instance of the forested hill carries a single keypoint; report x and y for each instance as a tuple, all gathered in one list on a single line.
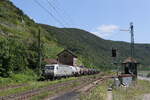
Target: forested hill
[(19, 43), (94, 50)]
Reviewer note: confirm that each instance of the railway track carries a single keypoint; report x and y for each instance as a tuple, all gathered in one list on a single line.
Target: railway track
[(13, 86), (74, 93), (34, 92), (28, 94)]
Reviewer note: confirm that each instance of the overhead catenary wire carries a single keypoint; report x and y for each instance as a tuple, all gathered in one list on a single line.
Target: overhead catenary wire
[(46, 10), (64, 12), (55, 9)]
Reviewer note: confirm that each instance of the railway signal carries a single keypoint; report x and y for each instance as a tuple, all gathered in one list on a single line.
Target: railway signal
[(114, 52), (132, 39), (131, 64)]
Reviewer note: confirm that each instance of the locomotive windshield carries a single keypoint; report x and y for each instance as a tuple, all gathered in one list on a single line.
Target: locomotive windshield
[(49, 67)]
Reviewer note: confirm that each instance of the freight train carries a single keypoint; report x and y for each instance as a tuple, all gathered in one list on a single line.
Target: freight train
[(56, 71)]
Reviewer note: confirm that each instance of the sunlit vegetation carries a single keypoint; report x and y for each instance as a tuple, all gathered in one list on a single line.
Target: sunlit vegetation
[(19, 46)]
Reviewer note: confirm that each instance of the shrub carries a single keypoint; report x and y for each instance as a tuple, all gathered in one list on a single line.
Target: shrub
[(4, 81), (27, 76), (22, 78), (12, 57)]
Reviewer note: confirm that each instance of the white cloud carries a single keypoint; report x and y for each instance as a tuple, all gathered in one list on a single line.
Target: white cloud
[(105, 30), (101, 34), (108, 28), (32, 18)]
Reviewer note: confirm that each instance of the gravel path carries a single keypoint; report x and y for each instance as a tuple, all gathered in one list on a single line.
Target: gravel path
[(146, 97), (13, 86), (69, 96), (109, 95), (143, 78)]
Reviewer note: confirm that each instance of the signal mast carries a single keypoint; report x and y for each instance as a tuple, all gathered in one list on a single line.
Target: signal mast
[(131, 30), (132, 39), (114, 51)]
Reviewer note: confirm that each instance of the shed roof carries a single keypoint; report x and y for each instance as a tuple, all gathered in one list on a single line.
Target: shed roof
[(129, 60), (70, 52), (51, 61)]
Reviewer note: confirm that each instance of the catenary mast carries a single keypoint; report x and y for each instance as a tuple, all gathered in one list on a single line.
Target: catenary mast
[(132, 39)]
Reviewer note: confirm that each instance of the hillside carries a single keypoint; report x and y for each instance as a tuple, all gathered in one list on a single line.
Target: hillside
[(94, 50), (19, 43)]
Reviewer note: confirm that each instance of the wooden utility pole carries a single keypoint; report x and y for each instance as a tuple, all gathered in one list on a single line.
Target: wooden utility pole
[(39, 49)]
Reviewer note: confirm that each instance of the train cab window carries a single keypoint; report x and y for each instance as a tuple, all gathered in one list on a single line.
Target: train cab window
[(50, 67)]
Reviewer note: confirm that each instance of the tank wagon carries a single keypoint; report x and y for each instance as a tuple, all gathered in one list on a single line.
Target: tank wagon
[(54, 71)]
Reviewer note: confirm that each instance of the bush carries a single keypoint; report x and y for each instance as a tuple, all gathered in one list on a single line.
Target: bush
[(4, 81), (22, 78), (28, 75), (12, 57), (19, 78)]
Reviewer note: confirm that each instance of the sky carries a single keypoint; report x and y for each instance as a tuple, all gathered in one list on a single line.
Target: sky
[(104, 18)]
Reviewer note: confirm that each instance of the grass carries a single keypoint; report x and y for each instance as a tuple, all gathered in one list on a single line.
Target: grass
[(98, 93), (14, 91), (132, 93), (16, 79)]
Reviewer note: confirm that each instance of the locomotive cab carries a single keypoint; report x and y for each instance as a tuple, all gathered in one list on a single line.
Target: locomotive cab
[(49, 71)]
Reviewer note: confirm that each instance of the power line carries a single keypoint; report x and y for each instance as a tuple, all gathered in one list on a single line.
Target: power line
[(63, 30), (65, 13), (55, 9), (49, 13)]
